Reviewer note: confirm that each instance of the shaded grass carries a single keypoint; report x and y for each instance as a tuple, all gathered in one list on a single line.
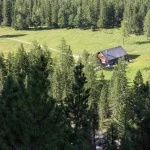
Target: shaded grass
[(137, 47), (11, 36), (143, 42)]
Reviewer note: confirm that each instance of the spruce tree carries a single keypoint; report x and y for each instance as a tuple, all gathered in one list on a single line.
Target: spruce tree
[(36, 16), (78, 17), (57, 82), (49, 14), (0, 11), (66, 66), (20, 15), (119, 10), (9, 99), (55, 10), (102, 16), (90, 62), (61, 18), (140, 104), (28, 108), (125, 32), (6, 12), (103, 105), (85, 56), (120, 102), (71, 21), (147, 25), (77, 112)]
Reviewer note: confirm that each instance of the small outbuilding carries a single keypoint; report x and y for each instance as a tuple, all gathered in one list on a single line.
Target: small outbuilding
[(111, 56)]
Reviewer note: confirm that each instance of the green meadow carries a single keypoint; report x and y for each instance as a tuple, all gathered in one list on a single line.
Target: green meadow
[(136, 46)]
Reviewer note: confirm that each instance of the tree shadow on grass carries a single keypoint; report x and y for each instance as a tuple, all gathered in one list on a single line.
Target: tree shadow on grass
[(133, 56), (12, 36), (38, 29), (146, 69), (143, 42)]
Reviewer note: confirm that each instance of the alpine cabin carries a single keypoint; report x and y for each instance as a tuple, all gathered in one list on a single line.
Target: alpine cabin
[(111, 56)]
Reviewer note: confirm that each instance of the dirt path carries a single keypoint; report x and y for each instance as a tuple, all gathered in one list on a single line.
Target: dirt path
[(29, 43)]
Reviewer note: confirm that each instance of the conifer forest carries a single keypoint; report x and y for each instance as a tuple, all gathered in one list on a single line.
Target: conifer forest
[(61, 102), (22, 14)]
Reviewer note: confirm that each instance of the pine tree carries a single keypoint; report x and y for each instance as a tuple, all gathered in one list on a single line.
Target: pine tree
[(49, 14), (66, 67), (128, 15), (103, 105), (55, 10), (20, 15), (6, 12), (71, 21), (147, 25), (85, 56), (61, 18), (9, 98), (76, 108), (36, 16), (110, 15), (140, 103), (102, 17), (78, 17), (26, 97), (119, 10), (92, 81), (10, 62), (120, 102), (0, 11), (124, 28), (92, 84), (38, 102), (57, 84)]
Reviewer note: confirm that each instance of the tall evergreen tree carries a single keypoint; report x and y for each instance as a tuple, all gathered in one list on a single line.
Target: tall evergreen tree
[(36, 16), (57, 83), (6, 12), (102, 16), (147, 25), (77, 112), (78, 17), (120, 104), (103, 105), (48, 14), (55, 10), (90, 62), (61, 18), (125, 30), (1, 11), (29, 111), (66, 65), (140, 102)]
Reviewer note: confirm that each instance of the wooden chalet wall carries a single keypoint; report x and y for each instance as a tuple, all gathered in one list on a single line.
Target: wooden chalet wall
[(102, 58)]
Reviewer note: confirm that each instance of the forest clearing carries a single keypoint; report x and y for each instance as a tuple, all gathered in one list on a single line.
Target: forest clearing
[(75, 74), (136, 46)]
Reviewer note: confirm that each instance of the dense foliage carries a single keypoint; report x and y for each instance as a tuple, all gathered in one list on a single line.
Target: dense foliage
[(50, 103), (22, 14)]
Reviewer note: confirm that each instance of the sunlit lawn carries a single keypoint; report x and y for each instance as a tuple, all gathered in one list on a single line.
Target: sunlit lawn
[(136, 46)]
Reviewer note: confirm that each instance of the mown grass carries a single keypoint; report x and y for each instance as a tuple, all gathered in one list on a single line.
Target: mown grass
[(136, 46)]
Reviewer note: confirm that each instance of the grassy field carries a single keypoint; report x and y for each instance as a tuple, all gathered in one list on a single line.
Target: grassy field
[(136, 46)]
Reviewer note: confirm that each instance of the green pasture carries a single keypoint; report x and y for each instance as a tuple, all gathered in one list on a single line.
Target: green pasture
[(137, 46)]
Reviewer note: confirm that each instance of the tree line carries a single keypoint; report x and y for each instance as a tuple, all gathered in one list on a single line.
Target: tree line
[(22, 14), (58, 103)]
